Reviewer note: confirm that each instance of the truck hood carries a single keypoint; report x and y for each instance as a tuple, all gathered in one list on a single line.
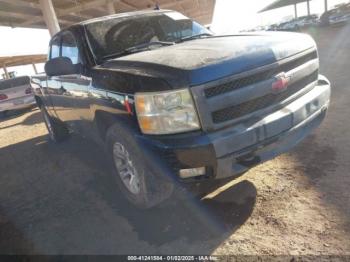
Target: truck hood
[(203, 60)]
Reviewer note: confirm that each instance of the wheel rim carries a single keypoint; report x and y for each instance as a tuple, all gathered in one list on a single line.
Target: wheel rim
[(49, 125), (126, 168)]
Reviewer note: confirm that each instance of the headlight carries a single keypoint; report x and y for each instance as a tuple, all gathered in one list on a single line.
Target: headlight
[(166, 112)]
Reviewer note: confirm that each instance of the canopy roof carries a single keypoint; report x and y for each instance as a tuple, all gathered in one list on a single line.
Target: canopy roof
[(21, 60), (281, 3), (28, 13)]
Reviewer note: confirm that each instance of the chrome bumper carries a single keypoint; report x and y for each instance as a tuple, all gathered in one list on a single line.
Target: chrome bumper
[(17, 103), (242, 147)]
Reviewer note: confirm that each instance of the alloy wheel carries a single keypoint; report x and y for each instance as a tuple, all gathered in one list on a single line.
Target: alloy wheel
[(126, 168)]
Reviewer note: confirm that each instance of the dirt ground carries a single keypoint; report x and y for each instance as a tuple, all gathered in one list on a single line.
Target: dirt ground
[(60, 199)]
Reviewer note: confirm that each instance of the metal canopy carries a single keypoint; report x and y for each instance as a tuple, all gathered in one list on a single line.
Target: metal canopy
[(282, 3), (8, 61), (21, 60), (29, 13)]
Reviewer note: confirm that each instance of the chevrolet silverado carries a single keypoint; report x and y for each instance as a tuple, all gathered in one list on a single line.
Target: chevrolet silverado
[(173, 103)]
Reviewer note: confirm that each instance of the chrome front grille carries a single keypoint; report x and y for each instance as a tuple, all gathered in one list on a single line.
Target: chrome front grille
[(261, 102), (234, 99), (249, 80)]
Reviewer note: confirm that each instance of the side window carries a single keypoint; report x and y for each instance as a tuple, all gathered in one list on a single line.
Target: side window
[(55, 47), (70, 48)]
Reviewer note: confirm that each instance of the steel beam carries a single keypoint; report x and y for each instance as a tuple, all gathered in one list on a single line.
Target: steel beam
[(21, 3), (34, 67), (7, 76), (49, 15), (110, 7)]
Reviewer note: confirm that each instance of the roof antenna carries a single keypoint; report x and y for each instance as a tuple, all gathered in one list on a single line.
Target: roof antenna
[(157, 7)]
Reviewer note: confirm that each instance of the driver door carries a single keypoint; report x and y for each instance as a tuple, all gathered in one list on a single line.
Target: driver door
[(75, 111)]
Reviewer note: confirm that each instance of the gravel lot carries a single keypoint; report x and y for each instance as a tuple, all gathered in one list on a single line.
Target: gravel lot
[(60, 199)]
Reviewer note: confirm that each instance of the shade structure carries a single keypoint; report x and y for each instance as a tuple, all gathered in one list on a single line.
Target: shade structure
[(8, 61), (282, 3), (62, 13), (22, 60)]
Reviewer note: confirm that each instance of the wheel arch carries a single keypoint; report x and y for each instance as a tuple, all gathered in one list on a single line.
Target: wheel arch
[(105, 120)]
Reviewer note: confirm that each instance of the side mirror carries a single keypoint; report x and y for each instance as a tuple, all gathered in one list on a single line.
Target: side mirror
[(60, 66)]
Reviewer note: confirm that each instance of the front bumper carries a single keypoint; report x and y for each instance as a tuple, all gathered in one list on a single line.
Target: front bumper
[(231, 151), (17, 103)]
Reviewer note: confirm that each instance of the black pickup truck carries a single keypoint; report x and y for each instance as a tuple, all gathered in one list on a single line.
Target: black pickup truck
[(174, 103)]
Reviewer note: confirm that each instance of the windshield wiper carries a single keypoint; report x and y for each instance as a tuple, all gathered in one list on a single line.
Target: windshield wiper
[(187, 38), (137, 48), (146, 45), (114, 55)]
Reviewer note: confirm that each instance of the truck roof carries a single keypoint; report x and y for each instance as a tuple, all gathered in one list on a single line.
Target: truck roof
[(121, 15)]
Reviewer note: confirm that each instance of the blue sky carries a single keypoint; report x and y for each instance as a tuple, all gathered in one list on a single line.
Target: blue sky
[(229, 16)]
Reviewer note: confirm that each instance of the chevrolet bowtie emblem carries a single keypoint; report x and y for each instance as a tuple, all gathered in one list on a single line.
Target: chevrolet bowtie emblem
[(281, 82)]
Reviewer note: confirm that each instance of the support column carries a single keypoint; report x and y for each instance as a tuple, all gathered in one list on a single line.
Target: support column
[(110, 7), (295, 11), (49, 15), (7, 76), (325, 5), (35, 69), (308, 8)]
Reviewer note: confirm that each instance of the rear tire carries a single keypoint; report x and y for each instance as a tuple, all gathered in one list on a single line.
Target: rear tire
[(57, 131), (138, 184)]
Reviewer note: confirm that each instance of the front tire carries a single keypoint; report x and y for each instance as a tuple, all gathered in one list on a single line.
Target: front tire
[(138, 184), (57, 132)]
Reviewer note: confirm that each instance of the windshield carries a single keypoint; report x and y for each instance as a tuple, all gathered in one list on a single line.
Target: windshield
[(115, 35)]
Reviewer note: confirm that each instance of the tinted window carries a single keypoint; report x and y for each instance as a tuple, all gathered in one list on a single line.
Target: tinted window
[(55, 47), (69, 48), (114, 35), (14, 82)]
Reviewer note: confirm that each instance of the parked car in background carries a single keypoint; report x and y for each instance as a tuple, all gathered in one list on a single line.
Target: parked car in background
[(289, 26), (273, 27), (282, 26), (335, 16), (339, 18), (260, 28), (308, 21), (324, 19), (15, 93), (299, 23)]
